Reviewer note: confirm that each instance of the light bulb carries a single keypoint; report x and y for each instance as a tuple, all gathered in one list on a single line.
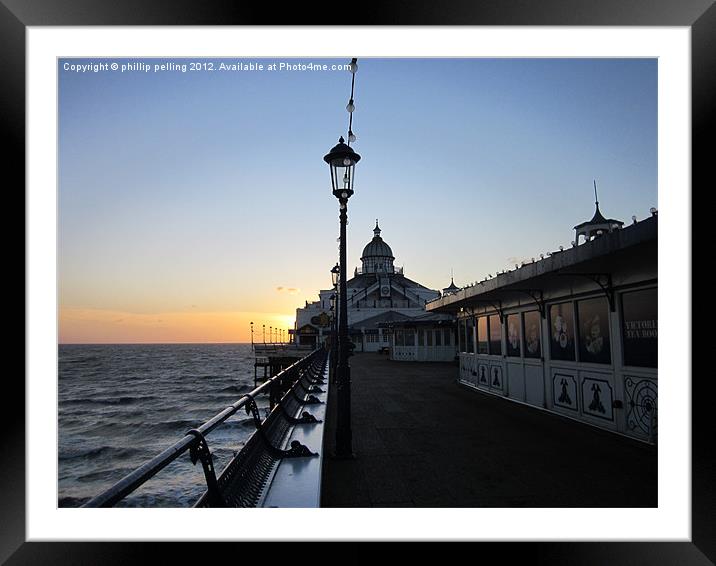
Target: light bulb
[(350, 106), (351, 137), (353, 67), (346, 162)]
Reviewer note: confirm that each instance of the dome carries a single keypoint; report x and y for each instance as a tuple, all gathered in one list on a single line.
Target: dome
[(377, 256), (377, 247)]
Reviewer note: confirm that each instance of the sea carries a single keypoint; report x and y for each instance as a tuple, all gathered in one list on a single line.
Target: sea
[(120, 405)]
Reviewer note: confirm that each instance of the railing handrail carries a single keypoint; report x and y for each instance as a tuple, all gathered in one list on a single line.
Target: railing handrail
[(149, 469)]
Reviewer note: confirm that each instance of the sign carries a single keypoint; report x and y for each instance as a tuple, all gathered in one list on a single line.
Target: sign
[(322, 320)]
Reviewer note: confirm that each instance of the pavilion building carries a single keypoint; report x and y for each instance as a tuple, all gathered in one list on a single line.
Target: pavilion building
[(378, 293), (574, 333)]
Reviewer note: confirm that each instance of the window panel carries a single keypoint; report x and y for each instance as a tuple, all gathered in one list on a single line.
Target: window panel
[(532, 342), (482, 335), (561, 318), (495, 335), (514, 335), (640, 328), (593, 316)]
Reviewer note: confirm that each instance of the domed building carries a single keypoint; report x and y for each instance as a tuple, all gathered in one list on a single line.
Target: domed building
[(378, 293)]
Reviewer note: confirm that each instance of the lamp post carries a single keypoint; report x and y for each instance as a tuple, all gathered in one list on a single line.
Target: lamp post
[(335, 271), (341, 161)]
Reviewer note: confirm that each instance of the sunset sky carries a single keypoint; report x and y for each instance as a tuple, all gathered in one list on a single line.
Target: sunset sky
[(192, 203)]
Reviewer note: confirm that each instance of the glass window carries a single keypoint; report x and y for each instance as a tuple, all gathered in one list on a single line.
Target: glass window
[(438, 337), (514, 335), (531, 343), (430, 337), (482, 335), (410, 337), (399, 338), (448, 336), (421, 338), (593, 316), (461, 335), (470, 335), (561, 318), (495, 334), (639, 328)]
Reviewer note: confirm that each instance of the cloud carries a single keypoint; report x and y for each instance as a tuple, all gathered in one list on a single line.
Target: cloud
[(289, 290)]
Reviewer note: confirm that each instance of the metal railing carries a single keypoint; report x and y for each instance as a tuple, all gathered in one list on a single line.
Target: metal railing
[(298, 375)]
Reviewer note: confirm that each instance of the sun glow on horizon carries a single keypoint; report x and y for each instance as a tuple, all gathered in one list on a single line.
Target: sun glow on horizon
[(100, 326)]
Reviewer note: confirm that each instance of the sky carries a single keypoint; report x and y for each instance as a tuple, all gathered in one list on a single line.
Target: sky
[(192, 203)]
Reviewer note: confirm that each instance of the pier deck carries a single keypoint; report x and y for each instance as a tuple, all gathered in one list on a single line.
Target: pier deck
[(422, 440)]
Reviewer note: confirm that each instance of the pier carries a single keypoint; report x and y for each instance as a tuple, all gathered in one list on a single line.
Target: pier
[(422, 440), (271, 358)]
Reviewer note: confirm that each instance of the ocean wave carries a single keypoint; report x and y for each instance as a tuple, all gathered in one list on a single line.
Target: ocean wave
[(122, 400), (236, 389), (99, 451)]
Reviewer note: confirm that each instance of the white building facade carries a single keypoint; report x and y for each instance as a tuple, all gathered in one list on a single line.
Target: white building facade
[(575, 333), (377, 293)]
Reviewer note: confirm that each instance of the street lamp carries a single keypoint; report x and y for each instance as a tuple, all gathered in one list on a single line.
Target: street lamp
[(341, 162), (335, 271)]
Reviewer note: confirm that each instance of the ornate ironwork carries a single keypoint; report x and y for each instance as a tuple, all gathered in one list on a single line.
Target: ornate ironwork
[(604, 280), (297, 449), (305, 418), (311, 400), (537, 296), (642, 406), (200, 451), (243, 481)]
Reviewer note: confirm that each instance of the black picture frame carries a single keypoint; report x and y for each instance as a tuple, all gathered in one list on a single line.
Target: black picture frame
[(699, 15)]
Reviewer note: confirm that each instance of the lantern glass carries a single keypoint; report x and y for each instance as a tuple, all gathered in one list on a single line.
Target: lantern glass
[(342, 172), (341, 161), (334, 275)]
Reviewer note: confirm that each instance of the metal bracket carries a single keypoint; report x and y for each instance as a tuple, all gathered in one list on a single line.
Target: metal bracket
[(604, 280), (496, 305), (305, 418), (199, 450), (498, 308), (253, 410), (297, 449), (312, 389), (312, 399), (537, 296)]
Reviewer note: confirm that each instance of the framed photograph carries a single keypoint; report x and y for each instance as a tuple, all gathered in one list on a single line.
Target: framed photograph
[(84, 82)]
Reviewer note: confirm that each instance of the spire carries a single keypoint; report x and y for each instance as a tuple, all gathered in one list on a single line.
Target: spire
[(596, 199), (376, 230)]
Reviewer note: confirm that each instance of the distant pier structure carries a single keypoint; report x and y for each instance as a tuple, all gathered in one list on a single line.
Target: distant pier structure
[(272, 357)]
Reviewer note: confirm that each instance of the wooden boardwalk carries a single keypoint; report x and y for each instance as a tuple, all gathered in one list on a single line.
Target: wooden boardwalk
[(422, 440)]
